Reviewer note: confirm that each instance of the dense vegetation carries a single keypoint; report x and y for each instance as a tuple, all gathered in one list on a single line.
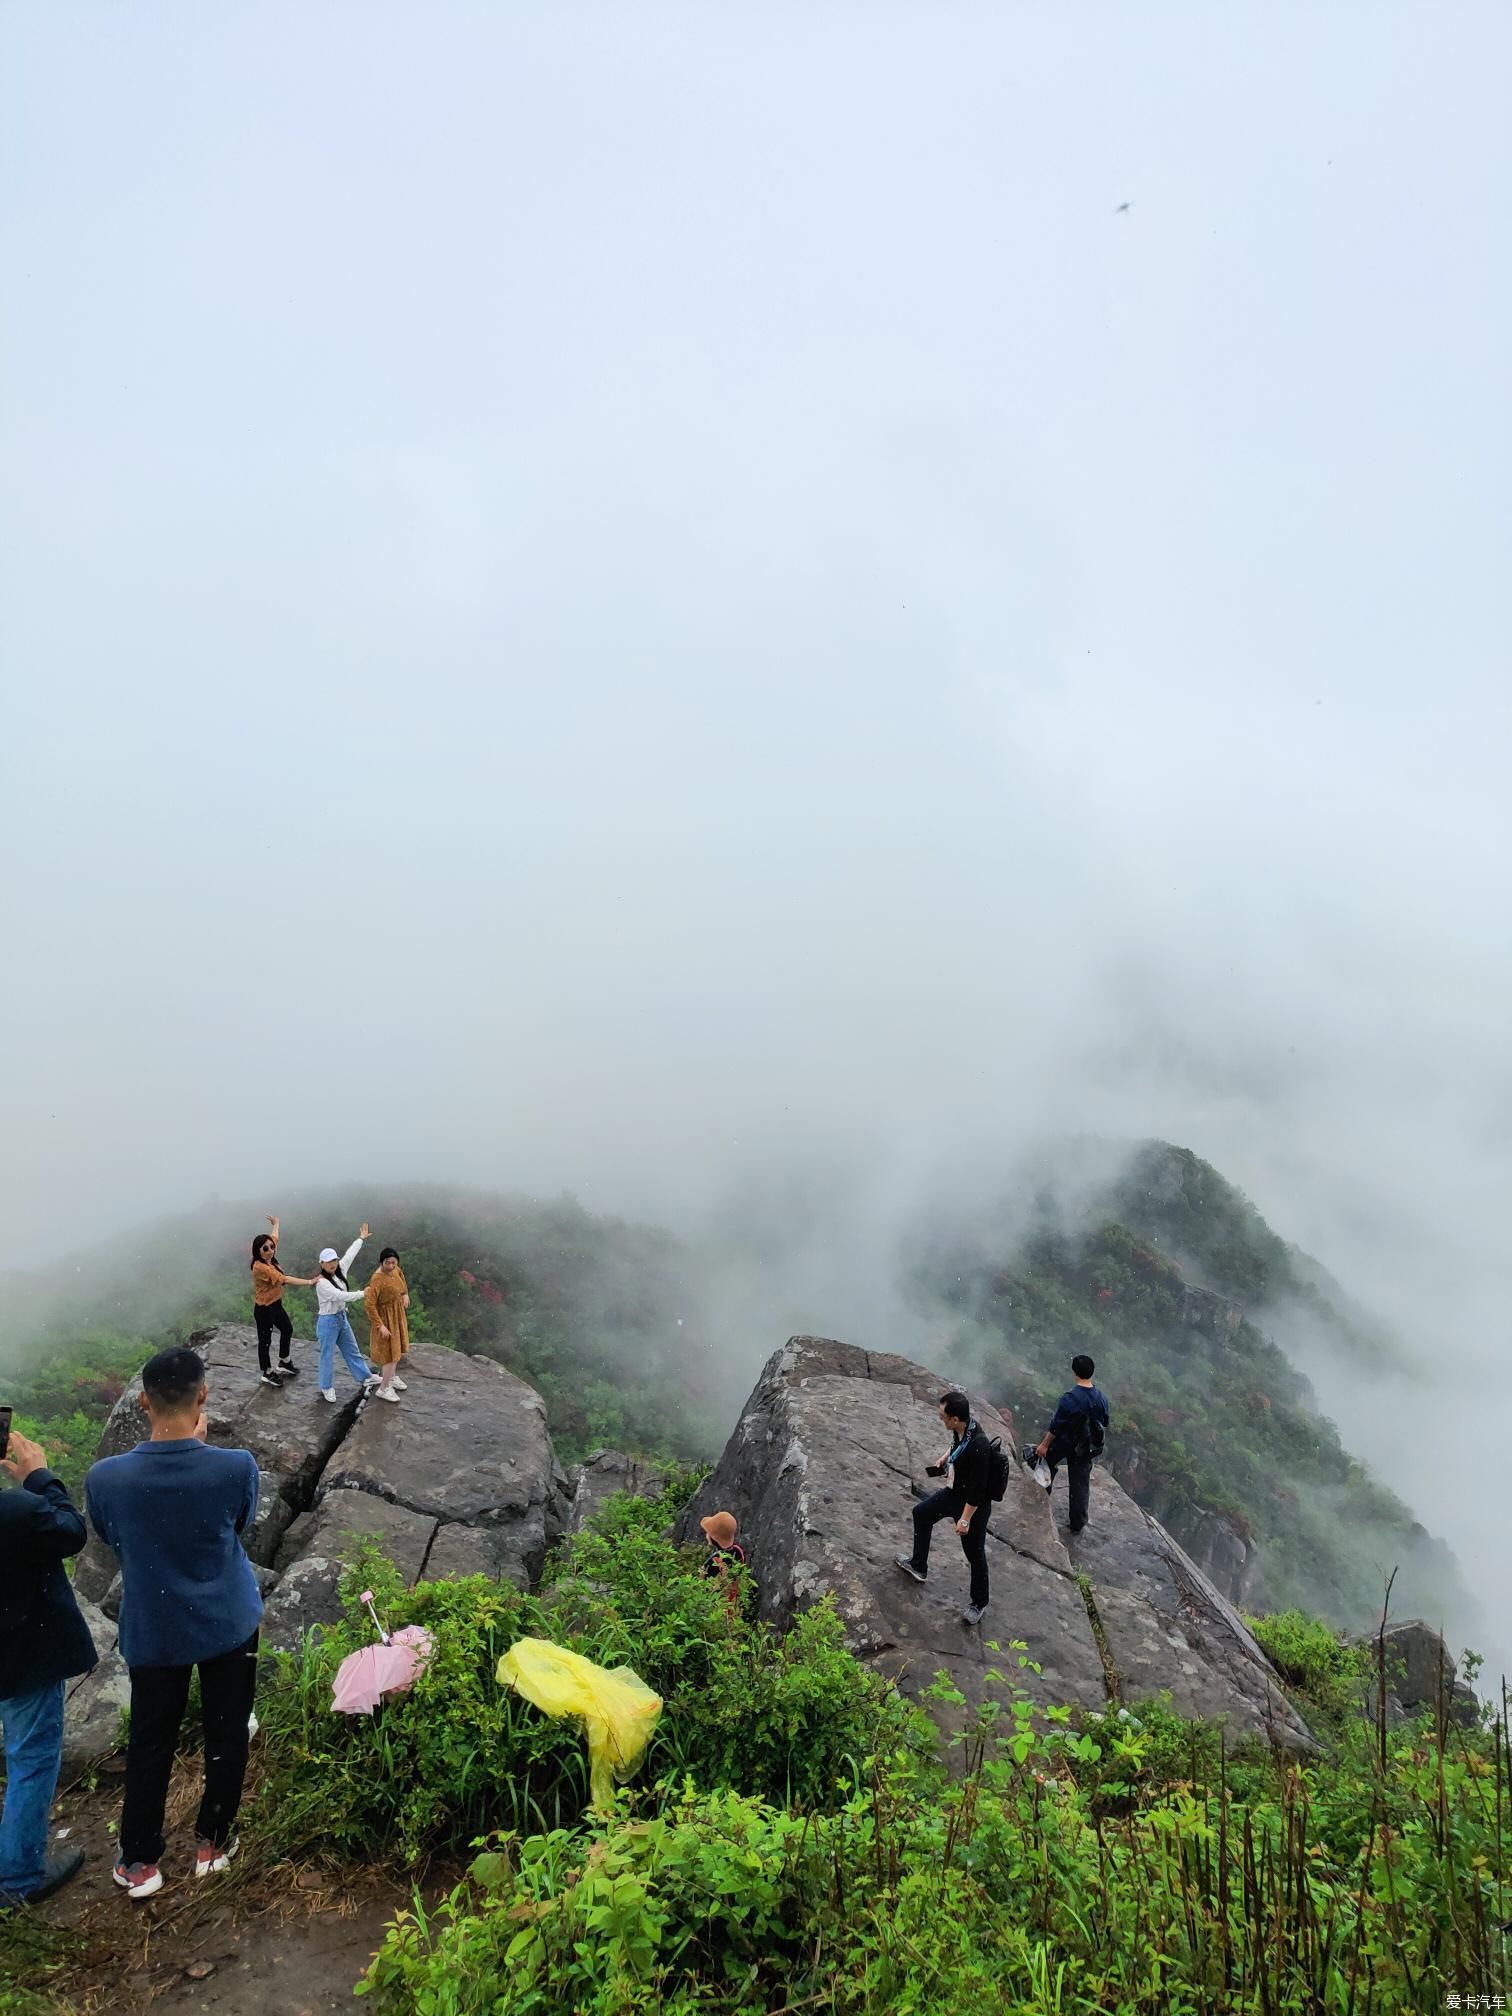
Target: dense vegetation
[(789, 1719), (794, 1839), (1165, 1274), (792, 1843)]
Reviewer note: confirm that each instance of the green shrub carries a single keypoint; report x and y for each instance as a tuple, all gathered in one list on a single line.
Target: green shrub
[(790, 1718), (1005, 1886), (1314, 1661)]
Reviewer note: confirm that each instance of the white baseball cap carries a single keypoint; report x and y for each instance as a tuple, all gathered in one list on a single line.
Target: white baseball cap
[(328, 1253)]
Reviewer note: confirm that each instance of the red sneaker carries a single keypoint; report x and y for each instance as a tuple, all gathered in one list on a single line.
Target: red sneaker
[(138, 1879), (210, 1860)]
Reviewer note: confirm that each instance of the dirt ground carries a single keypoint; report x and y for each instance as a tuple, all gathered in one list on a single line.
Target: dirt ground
[(253, 1942)]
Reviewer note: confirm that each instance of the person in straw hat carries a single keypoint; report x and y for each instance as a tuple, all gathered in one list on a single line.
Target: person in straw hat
[(725, 1552)]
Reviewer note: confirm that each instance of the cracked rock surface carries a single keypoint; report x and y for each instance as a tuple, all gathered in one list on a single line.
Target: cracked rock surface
[(822, 1473), (459, 1478)]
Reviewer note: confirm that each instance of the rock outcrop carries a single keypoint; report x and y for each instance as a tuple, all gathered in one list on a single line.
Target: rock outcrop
[(1419, 1674), (822, 1473), (605, 1475), (459, 1478)]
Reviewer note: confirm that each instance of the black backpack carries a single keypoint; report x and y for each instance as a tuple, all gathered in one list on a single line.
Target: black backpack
[(1000, 1469), (1094, 1438)]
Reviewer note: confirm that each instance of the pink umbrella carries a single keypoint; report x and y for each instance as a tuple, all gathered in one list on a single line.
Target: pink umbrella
[(364, 1677)]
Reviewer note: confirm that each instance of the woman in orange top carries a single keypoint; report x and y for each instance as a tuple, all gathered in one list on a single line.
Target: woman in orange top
[(268, 1312), (386, 1300)]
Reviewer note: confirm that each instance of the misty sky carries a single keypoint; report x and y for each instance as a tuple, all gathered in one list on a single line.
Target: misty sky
[(601, 597)]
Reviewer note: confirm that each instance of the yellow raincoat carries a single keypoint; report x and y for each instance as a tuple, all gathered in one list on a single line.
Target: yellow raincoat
[(618, 1710)]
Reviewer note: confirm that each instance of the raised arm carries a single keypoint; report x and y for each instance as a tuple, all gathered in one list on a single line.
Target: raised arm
[(56, 1527), (352, 1251)]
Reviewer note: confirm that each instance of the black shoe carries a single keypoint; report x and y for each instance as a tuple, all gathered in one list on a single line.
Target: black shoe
[(974, 1614), (56, 1871), (272, 1379), (905, 1563), (1078, 1529), (286, 1370)]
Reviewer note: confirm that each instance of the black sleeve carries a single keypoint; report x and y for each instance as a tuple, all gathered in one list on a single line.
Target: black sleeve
[(56, 1527)]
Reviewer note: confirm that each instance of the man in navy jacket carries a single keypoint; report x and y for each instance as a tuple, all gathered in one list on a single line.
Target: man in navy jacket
[(1075, 1437), (173, 1511), (44, 1642)]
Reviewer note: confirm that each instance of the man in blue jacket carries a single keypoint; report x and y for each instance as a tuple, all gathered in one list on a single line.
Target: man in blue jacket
[(44, 1642), (174, 1510), (1075, 1437)]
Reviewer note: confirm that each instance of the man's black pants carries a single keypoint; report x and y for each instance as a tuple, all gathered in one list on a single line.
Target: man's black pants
[(1078, 1480), (159, 1696), (271, 1316), (950, 1505)]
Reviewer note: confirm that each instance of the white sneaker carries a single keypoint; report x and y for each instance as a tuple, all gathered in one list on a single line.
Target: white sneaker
[(386, 1393), (398, 1384), (210, 1860), (251, 1725), (328, 1393)]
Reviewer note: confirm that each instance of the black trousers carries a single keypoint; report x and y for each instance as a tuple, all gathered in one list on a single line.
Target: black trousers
[(271, 1316), (1078, 1480), (949, 1504), (159, 1696)]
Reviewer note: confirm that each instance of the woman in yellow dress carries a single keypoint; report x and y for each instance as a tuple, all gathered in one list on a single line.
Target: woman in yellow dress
[(386, 1300)]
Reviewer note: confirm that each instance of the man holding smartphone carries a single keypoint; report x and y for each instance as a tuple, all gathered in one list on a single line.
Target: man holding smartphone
[(44, 1642), (965, 1500)]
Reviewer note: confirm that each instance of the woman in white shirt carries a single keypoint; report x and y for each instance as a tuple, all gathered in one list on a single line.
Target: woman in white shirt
[(332, 1324)]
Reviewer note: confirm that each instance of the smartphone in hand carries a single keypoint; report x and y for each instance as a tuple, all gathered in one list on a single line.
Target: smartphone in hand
[(6, 1414), (934, 1469)]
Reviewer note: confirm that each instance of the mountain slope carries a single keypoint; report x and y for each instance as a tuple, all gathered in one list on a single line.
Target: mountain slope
[(1170, 1279)]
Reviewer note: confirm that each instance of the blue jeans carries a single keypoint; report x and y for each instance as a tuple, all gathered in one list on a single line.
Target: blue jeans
[(33, 1757), (329, 1332)]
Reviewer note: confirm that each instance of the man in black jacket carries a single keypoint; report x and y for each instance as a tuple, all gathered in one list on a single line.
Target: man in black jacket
[(43, 1643), (965, 1499)]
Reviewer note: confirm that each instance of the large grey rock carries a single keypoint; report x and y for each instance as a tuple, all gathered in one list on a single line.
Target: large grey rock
[(468, 1550), (292, 1433), (94, 1703), (1419, 1670), (459, 1478), (320, 1545), (1167, 1629), (466, 1445), (605, 1474), (822, 1473), (344, 1520)]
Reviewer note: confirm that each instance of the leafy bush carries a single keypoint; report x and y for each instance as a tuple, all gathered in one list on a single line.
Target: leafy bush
[(458, 1755), (1005, 1885), (1314, 1661)]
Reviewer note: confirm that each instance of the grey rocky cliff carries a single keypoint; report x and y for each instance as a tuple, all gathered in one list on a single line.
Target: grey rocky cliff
[(459, 1478), (822, 1473)]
